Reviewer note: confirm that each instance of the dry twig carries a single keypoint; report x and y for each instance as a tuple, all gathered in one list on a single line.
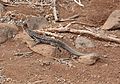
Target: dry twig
[(55, 10), (49, 33), (94, 34), (71, 18), (23, 54), (79, 3)]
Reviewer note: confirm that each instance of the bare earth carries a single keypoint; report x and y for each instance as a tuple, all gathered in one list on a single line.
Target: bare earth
[(37, 69)]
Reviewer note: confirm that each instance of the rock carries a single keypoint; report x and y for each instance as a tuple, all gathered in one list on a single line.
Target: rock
[(37, 22), (113, 21), (45, 50), (88, 59), (49, 51), (7, 31), (2, 9), (2, 79), (83, 42)]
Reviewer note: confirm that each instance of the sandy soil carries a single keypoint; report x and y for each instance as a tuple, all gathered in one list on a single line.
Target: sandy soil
[(37, 69)]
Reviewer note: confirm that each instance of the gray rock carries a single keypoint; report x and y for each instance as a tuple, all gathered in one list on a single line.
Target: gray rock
[(2, 8), (83, 42), (2, 79), (37, 22), (7, 31), (113, 21)]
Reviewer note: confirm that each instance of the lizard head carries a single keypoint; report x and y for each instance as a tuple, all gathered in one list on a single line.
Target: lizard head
[(25, 26)]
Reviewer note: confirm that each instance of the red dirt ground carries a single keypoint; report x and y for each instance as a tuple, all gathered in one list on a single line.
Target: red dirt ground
[(36, 69)]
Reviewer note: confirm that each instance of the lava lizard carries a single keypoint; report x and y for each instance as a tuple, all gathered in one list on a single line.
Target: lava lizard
[(51, 41)]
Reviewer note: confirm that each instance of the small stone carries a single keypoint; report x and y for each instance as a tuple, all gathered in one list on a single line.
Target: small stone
[(88, 59), (105, 56), (83, 42), (105, 65), (2, 79)]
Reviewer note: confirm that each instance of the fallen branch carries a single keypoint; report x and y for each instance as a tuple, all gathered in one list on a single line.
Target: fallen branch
[(48, 33), (23, 54), (71, 18), (94, 34)]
